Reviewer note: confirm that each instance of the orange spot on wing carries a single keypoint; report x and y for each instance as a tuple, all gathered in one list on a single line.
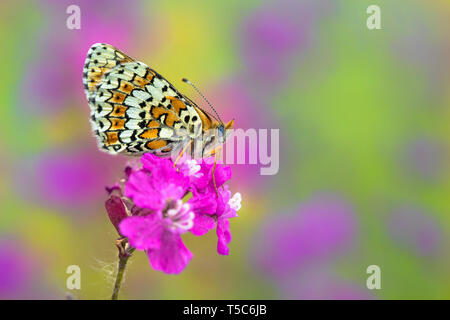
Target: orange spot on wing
[(149, 76), (95, 75), (119, 111), (117, 124), (171, 119), (158, 112), (168, 149), (149, 134), (207, 122), (92, 85), (153, 124), (177, 104), (111, 138), (117, 97), (126, 87), (139, 81), (156, 144)]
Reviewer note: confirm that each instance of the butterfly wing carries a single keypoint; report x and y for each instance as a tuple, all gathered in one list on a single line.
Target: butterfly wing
[(101, 58), (134, 109)]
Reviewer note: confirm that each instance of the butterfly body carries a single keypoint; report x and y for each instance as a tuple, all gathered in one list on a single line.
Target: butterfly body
[(135, 110)]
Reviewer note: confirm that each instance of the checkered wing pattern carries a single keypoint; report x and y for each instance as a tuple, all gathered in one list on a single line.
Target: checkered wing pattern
[(135, 110)]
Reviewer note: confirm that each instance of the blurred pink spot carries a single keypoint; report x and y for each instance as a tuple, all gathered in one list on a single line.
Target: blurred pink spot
[(320, 283), (54, 77), (426, 158), (274, 35), (15, 270), (320, 228), (72, 180), (415, 231)]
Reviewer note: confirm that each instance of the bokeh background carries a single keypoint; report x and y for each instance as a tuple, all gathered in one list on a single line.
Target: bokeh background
[(364, 129)]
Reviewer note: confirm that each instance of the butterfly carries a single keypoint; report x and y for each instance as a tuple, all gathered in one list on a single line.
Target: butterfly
[(134, 110)]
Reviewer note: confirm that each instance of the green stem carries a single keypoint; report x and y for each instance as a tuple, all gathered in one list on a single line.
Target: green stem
[(123, 259)]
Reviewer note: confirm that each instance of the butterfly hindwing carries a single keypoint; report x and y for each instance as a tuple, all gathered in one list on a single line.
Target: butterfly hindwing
[(101, 58), (133, 108)]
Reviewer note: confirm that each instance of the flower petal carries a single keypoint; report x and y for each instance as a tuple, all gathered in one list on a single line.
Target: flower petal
[(223, 236), (202, 224), (143, 232), (172, 256), (203, 203), (204, 183), (142, 189), (158, 181), (204, 206), (222, 174), (224, 209)]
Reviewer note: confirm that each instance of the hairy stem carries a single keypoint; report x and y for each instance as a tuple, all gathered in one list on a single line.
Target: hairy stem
[(120, 272), (125, 252)]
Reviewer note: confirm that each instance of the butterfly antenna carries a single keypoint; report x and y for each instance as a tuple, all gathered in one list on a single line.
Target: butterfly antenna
[(204, 98)]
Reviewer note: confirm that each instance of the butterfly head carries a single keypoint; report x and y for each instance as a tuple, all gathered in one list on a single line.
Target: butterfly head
[(224, 130), (219, 131)]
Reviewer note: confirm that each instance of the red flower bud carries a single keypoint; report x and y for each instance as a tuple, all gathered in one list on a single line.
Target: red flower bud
[(116, 211)]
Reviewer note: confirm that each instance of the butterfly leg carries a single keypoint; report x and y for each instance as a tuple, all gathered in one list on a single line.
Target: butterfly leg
[(214, 178), (182, 152), (216, 156)]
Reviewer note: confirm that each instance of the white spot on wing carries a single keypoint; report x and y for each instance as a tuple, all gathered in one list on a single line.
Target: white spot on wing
[(156, 93), (140, 94), (132, 101), (165, 133)]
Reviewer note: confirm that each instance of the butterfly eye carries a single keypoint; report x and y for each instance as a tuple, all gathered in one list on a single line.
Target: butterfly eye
[(221, 130)]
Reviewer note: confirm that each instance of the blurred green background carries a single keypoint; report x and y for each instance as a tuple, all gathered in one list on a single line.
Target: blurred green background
[(364, 128)]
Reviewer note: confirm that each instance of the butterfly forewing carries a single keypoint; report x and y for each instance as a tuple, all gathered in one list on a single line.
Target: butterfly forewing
[(133, 108)]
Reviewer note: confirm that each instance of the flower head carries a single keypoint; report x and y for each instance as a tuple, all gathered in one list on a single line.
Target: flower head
[(204, 184), (226, 209), (153, 215), (156, 184), (212, 210), (159, 235)]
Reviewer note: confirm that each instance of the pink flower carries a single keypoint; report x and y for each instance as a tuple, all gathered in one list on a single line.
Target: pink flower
[(212, 211), (159, 234), (227, 208), (203, 183), (204, 207), (156, 183), (151, 212), (159, 214)]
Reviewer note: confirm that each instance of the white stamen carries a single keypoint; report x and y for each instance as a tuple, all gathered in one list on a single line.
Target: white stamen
[(193, 166), (235, 201), (181, 216)]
